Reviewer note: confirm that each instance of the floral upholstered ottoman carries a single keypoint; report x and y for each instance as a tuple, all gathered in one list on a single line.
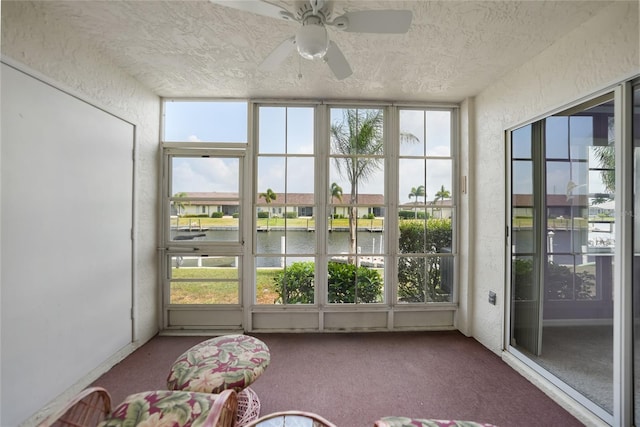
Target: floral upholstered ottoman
[(221, 363), (229, 362), (422, 422)]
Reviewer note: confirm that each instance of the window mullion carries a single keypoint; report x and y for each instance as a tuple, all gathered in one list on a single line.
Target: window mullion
[(391, 228), (321, 207)]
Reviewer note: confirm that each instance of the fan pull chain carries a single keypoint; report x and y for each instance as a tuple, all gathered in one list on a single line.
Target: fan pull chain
[(299, 67)]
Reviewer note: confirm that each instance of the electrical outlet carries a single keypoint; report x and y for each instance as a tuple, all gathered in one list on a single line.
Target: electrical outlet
[(492, 298)]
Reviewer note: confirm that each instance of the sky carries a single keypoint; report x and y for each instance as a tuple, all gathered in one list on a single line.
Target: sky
[(200, 121), (570, 153)]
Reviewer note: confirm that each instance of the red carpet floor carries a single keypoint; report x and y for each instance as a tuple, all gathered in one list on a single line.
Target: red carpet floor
[(352, 379)]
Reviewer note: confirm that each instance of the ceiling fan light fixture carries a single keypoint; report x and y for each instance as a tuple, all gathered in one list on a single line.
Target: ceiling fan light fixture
[(312, 41)]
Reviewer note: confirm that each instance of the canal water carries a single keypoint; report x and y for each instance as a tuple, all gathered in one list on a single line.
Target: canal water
[(298, 243)]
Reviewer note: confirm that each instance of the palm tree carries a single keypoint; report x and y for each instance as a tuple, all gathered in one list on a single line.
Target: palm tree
[(417, 192), (336, 193), (268, 197), (441, 195), (606, 156), (179, 204), (358, 140), (420, 192)]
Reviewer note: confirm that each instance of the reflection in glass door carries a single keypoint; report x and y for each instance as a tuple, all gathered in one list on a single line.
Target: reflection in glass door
[(562, 245)]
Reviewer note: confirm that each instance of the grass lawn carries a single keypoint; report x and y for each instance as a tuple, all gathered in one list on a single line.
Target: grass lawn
[(218, 286)]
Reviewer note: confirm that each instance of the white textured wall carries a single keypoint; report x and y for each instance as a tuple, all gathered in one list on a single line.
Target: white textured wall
[(33, 39), (601, 52)]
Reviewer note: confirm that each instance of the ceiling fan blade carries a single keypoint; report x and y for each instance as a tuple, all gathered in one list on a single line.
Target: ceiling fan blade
[(278, 55), (337, 62), (375, 21), (259, 7)]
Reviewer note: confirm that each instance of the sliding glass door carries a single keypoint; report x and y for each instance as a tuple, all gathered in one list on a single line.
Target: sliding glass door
[(563, 229)]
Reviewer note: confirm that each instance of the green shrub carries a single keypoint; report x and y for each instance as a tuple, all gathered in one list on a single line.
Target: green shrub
[(235, 215), (412, 215), (294, 284), (291, 215), (217, 214), (347, 284), (419, 277), (368, 216), (350, 284), (560, 282), (263, 214)]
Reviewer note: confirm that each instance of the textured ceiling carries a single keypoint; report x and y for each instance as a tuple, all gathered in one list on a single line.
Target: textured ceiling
[(453, 50)]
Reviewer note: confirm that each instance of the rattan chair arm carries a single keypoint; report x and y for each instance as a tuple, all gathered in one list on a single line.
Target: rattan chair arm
[(86, 409), (224, 410)]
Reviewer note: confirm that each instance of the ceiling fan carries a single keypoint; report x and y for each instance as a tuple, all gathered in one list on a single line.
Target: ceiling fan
[(311, 40)]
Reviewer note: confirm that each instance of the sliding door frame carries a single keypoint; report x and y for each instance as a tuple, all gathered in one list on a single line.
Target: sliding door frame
[(623, 392)]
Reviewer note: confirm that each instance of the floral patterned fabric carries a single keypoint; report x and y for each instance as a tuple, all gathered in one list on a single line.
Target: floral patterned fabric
[(418, 422), (226, 362), (161, 408)]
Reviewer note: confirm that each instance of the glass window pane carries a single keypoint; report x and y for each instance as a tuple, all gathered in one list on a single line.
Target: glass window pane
[(413, 234), (522, 181), (521, 143), (271, 175), (372, 183), (273, 241), (438, 133), (271, 130), (412, 127), (267, 270), (295, 282), (557, 137), (205, 205), (356, 281), (204, 174), (209, 229), (298, 240), (300, 130), (438, 188), (357, 131), (412, 279), (205, 121), (337, 177), (581, 136), (560, 181), (425, 279), (338, 227), (370, 179), (300, 177), (411, 188), (366, 239), (204, 280)]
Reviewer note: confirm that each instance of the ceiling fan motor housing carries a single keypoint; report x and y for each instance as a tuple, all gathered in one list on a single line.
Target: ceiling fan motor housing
[(308, 8)]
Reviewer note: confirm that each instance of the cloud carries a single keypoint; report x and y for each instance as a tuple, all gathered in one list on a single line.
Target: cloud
[(205, 174)]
